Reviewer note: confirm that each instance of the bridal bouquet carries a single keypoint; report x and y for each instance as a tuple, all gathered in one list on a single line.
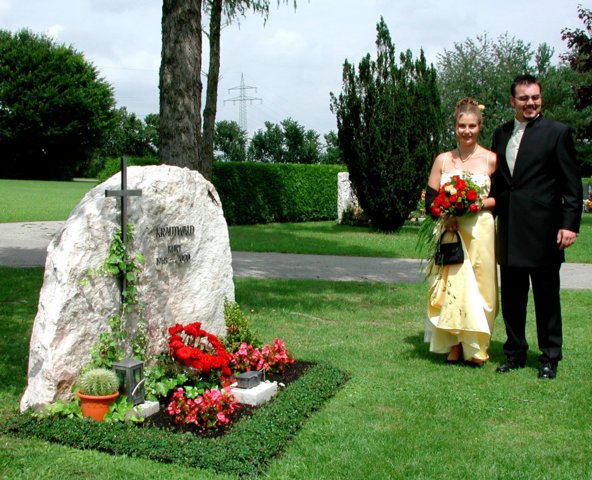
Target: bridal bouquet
[(457, 197)]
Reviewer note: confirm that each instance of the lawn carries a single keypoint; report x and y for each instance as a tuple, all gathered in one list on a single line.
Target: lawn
[(403, 414), (36, 201)]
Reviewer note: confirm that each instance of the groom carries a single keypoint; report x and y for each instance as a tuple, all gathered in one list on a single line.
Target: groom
[(538, 195)]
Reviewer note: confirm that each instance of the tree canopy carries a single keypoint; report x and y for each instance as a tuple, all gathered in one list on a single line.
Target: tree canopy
[(230, 142), (579, 59), (131, 135), (54, 108), (288, 142)]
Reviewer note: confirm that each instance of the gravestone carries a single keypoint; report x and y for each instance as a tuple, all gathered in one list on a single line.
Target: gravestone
[(187, 274), (346, 198)]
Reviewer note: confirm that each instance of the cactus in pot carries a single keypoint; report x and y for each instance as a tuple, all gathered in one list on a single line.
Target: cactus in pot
[(98, 389), (99, 382)]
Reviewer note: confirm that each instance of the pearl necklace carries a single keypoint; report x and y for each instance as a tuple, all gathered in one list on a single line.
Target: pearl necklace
[(468, 156)]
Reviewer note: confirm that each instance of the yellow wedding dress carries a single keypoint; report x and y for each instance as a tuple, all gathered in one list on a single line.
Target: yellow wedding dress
[(462, 299)]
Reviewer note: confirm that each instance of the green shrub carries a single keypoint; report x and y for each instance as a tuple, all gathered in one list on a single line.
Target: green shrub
[(237, 328), (355, 217), (267, 192)]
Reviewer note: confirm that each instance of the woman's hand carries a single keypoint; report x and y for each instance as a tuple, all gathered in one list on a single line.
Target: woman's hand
[(451, 224), (488, 203)]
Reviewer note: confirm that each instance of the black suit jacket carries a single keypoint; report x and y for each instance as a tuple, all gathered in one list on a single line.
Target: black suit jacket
[(543, 196)]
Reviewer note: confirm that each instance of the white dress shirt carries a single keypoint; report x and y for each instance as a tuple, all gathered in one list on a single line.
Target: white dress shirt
[(514, 144)]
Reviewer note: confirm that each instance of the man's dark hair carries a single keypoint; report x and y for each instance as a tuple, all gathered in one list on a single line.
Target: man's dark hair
[(523, 80)]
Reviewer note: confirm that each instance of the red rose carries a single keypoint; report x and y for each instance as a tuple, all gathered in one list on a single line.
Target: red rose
[(473, 208), (471, 195), (436, 212), (177, 328), (183, 353), (461, 184), (176, 344), (453, 198), (193, 329), (194, 364), (446, 205)]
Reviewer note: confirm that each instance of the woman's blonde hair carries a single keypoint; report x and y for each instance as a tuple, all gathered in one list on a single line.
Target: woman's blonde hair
[(468, 105)]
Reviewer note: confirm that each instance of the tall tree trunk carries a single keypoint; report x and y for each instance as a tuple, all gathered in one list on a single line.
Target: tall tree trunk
[(180, 83), (209, 116)]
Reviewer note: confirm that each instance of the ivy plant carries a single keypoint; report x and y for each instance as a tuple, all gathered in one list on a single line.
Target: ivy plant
[(111, 345)]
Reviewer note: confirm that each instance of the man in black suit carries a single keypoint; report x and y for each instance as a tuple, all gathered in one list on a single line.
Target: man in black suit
[(538, 193)]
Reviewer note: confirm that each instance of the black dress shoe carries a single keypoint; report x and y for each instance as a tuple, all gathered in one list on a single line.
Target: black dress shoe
[(547, 370), (508, 366)]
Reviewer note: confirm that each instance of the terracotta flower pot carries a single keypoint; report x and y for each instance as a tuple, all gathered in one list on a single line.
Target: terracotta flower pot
[(96, 407)]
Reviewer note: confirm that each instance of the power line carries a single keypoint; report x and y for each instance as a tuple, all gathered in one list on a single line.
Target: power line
[(242, 100)]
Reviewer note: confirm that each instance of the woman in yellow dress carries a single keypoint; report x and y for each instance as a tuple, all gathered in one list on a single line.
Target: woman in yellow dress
[(463, 298)]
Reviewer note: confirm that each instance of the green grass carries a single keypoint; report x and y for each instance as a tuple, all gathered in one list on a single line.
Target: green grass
[(36, 201), (403, 414), (323, 238)]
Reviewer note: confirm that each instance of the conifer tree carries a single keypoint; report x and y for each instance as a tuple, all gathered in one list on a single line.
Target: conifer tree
[(390, 125)]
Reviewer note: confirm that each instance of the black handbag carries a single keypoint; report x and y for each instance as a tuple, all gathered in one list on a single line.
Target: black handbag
[(449, 253)]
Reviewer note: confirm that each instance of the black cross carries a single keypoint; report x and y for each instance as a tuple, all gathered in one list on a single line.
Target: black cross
[(123, 193)]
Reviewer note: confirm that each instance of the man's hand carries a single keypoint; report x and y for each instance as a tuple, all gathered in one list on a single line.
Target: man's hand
[(566, 238)]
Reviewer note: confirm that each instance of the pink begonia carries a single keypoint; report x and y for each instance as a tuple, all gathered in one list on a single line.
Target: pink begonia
[(270, 358), (210, 410), (222, 418)]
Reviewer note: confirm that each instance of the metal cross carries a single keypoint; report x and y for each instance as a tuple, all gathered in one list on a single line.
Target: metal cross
[(124, 193)]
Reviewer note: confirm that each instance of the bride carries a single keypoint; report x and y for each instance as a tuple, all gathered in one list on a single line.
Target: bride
[(462, 298)]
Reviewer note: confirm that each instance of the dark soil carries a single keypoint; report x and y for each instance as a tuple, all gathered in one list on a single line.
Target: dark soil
[(165, 421)]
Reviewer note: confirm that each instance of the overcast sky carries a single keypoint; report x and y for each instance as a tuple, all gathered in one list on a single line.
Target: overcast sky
[(296, 58)]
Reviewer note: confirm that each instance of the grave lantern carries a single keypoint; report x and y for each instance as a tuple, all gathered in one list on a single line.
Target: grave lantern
[(131, 377), (248, 379)]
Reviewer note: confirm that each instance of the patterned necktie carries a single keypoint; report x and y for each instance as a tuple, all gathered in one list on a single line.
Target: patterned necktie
[(514, 145)]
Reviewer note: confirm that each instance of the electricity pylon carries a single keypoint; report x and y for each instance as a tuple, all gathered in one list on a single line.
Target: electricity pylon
[(242, 100)]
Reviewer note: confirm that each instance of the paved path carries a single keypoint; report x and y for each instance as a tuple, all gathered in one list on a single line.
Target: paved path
[(25, 244)]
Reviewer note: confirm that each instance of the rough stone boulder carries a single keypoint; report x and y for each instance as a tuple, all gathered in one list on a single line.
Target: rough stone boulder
[(180, 230)]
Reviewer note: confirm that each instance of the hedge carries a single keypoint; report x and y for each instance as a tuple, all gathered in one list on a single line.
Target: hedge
[(246, 450), (254, 193), (273, 192)]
